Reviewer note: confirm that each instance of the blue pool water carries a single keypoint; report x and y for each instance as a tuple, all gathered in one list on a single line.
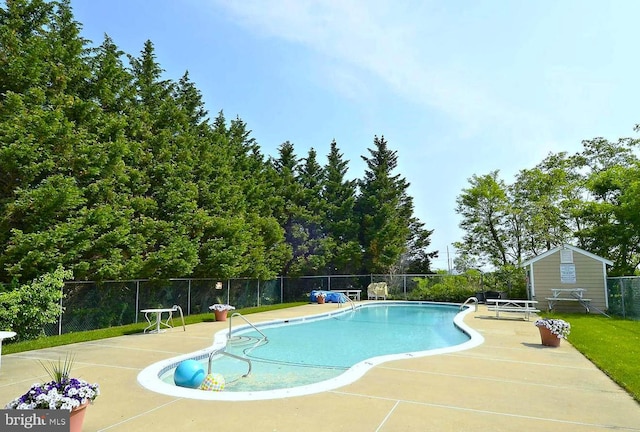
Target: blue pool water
[(314, 354)]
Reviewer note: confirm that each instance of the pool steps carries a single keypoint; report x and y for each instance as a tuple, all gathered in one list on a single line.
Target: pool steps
[(223, 351)]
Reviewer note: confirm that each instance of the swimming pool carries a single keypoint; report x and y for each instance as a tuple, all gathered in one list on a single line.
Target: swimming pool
[(322, 352)]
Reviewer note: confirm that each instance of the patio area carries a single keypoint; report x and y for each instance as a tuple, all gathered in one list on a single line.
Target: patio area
[(509, 383)]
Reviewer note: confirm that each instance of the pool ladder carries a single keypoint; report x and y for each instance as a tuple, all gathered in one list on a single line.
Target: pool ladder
[(238, 314), (347, 298), (467, 301), (223, 351)]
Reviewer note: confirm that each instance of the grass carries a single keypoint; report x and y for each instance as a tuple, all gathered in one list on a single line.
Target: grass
[(91, 335), (612, 344)]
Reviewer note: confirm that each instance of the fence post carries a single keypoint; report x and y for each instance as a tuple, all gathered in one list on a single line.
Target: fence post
[(189, 298), (137, 299), (61, 309), (624, 313)]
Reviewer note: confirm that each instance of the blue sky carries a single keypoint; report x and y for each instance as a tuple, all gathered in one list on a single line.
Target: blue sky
[(456, 87)]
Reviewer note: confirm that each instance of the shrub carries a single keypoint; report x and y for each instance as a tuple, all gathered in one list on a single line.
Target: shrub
[(448, 288), (27, 308), (509, 279)]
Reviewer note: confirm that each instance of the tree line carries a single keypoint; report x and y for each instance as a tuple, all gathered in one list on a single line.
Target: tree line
[(590, 199), (114, 172)]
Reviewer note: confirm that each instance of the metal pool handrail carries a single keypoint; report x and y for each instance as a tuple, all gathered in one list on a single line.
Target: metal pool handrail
[(245, 320), (470, 299), (222, 351), (347, 298)]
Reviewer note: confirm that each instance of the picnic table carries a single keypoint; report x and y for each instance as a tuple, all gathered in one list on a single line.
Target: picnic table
[(527, 307), (568, 295)]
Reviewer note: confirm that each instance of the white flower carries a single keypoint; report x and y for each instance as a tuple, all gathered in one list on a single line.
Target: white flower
[(221, 307), (61, 393), (558, 327)]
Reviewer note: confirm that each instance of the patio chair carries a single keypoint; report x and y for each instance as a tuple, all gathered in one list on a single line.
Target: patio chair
[(5, 335), (377, 290)]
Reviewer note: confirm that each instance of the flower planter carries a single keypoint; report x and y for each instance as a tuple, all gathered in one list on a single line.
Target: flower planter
[(320, 299), (221, 310), (76, 417), (552, 330), (63, 392), (221, 315), (548, 338)]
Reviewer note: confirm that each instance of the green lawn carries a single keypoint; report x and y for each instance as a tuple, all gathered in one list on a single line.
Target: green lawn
[(612, 344), (69, 338)]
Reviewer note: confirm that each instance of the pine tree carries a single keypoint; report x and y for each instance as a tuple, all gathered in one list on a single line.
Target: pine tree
[(288, 211), (170, 207), (43, 75), (317, 250), (384, 211), (339, 219)]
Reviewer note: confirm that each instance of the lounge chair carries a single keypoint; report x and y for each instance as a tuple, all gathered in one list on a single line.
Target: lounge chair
[(377, 290)]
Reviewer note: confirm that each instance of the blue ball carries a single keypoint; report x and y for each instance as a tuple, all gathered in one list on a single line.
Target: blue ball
[(189, 373)]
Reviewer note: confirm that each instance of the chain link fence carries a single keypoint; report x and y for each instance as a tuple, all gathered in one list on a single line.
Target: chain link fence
[(624, 296), (95, 305)]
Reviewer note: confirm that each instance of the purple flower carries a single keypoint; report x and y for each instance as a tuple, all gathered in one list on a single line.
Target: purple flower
[(66, 394)]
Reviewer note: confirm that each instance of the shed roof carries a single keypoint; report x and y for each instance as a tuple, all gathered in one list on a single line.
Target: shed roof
[(565, 246)]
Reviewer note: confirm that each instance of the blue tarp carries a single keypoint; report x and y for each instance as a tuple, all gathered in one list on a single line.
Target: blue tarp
[(330, 297)]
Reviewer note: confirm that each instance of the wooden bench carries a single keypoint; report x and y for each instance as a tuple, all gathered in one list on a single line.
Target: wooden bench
[(527, 307)]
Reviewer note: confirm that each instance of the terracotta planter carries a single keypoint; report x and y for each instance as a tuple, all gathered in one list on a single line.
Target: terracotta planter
[(76, 417), (221, 315), (320, 299), (548, 338)]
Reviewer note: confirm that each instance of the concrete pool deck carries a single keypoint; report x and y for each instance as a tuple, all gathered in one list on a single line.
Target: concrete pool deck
[(509, 383)]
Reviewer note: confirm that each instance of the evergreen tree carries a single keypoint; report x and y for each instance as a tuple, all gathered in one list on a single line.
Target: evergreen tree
[(115, 172), (317, 250), (240, 237), (384, 211), (288, 211), (42, 76), (169, 194), (418, 257), (339, 218)]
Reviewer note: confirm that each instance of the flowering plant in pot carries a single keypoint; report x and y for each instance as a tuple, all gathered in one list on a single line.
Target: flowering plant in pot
[(320, 297), (62, 392), (220, 310), (552, 331)]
